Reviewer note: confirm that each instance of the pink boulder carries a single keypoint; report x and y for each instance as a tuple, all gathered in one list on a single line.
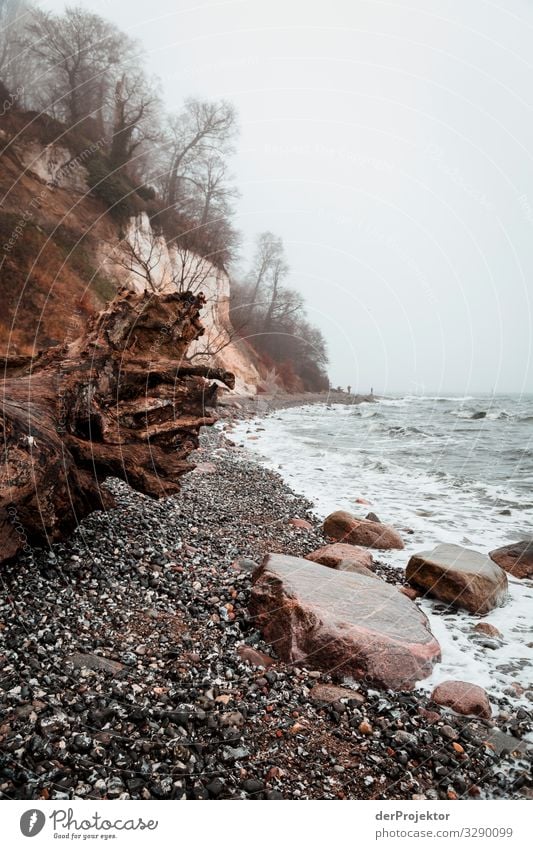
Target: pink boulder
[(517, 559), (342, 556), (344, 527), (464, 698), (342, 622)]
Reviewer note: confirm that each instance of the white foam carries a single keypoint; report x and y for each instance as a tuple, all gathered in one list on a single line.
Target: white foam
[(329, 455)]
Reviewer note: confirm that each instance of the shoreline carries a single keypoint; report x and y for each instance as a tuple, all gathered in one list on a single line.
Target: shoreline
[(245, 406), (123, 678)]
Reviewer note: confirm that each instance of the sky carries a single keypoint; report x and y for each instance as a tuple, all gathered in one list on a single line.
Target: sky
[(390, 145)]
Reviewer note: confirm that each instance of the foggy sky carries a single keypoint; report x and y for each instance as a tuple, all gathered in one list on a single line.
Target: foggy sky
[(390, 145)]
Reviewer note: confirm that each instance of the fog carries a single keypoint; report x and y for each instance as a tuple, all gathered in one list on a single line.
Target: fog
[(390, 145)]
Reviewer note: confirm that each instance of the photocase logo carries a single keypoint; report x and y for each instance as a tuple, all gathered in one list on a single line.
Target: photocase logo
[(32, 822)]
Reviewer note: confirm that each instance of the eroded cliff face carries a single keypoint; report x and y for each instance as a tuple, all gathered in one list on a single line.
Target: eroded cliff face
[(65, 259), (143, 253)]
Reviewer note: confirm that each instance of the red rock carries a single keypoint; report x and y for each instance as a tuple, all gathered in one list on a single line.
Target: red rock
[(464, 698), (205, 468), (328, 694), (254, 657), (365, 727), (344, 527), (488, 629), (274, 772), (341, 555), (431, 715), (362, 501), (342, 621), (517, 559), (410, 592), (458, 576), (301, 523)]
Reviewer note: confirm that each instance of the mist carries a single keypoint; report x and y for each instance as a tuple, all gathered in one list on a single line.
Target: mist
[(389, 145)]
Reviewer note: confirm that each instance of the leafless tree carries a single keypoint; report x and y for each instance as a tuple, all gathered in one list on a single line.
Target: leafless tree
[(78, 54), (213, 191), (142, 254), (268, 266), (136, 106), (201, 128), (15, 67)]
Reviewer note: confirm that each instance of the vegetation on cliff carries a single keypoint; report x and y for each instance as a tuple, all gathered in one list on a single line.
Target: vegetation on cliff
[(75, 80)]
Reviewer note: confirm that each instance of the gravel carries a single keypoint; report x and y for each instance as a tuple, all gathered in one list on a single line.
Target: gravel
[(120, 676)]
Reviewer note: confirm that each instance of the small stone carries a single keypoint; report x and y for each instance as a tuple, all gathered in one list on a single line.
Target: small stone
[(488, 629), (215, 787), (253, 785), (234, 719), (302, 524), (365, 727), (449, 732), (254, 657), (404, 738)]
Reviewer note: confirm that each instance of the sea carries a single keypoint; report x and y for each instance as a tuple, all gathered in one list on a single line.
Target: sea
[(439, 469)]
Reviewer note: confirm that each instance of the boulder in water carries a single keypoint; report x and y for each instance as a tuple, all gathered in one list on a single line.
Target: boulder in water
[(464, 698), (344, 527), (342, 623), (458, 576), (487, 629), (517, 558)]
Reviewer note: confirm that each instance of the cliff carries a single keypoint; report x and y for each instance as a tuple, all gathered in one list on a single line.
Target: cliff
[(65, 256)]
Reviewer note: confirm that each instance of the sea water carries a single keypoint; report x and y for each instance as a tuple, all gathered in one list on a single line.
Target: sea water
[(439, 469)]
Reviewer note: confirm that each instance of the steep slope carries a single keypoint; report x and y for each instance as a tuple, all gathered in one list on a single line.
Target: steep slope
[(64, 256)]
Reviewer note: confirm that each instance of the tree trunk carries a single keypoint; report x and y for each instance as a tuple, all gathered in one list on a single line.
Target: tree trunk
[(119, 401)]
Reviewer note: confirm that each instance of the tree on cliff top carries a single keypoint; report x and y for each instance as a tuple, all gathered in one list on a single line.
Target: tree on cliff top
[(273, 317), (78, 56)]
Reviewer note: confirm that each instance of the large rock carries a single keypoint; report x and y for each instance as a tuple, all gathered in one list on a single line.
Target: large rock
[(340, 555), (346, 528), (517, 558), (468, 699), (458, 576), (342, 622)]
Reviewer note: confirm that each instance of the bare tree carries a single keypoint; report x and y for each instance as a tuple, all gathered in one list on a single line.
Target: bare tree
[(213, 192), (77, 54), (136, 105), (14, 65), (162, 267), (191, 271), (201, 128), (273, 316), (269, 255), (143, 255)]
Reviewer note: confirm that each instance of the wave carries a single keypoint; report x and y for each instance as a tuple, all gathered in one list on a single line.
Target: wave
[(443, 398), (404, 430), (475, 415)]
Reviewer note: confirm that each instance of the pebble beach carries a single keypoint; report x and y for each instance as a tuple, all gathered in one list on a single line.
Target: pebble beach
[(130, 668)]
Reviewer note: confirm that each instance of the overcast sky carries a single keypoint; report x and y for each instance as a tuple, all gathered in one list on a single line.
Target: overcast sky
[(390, 145)]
